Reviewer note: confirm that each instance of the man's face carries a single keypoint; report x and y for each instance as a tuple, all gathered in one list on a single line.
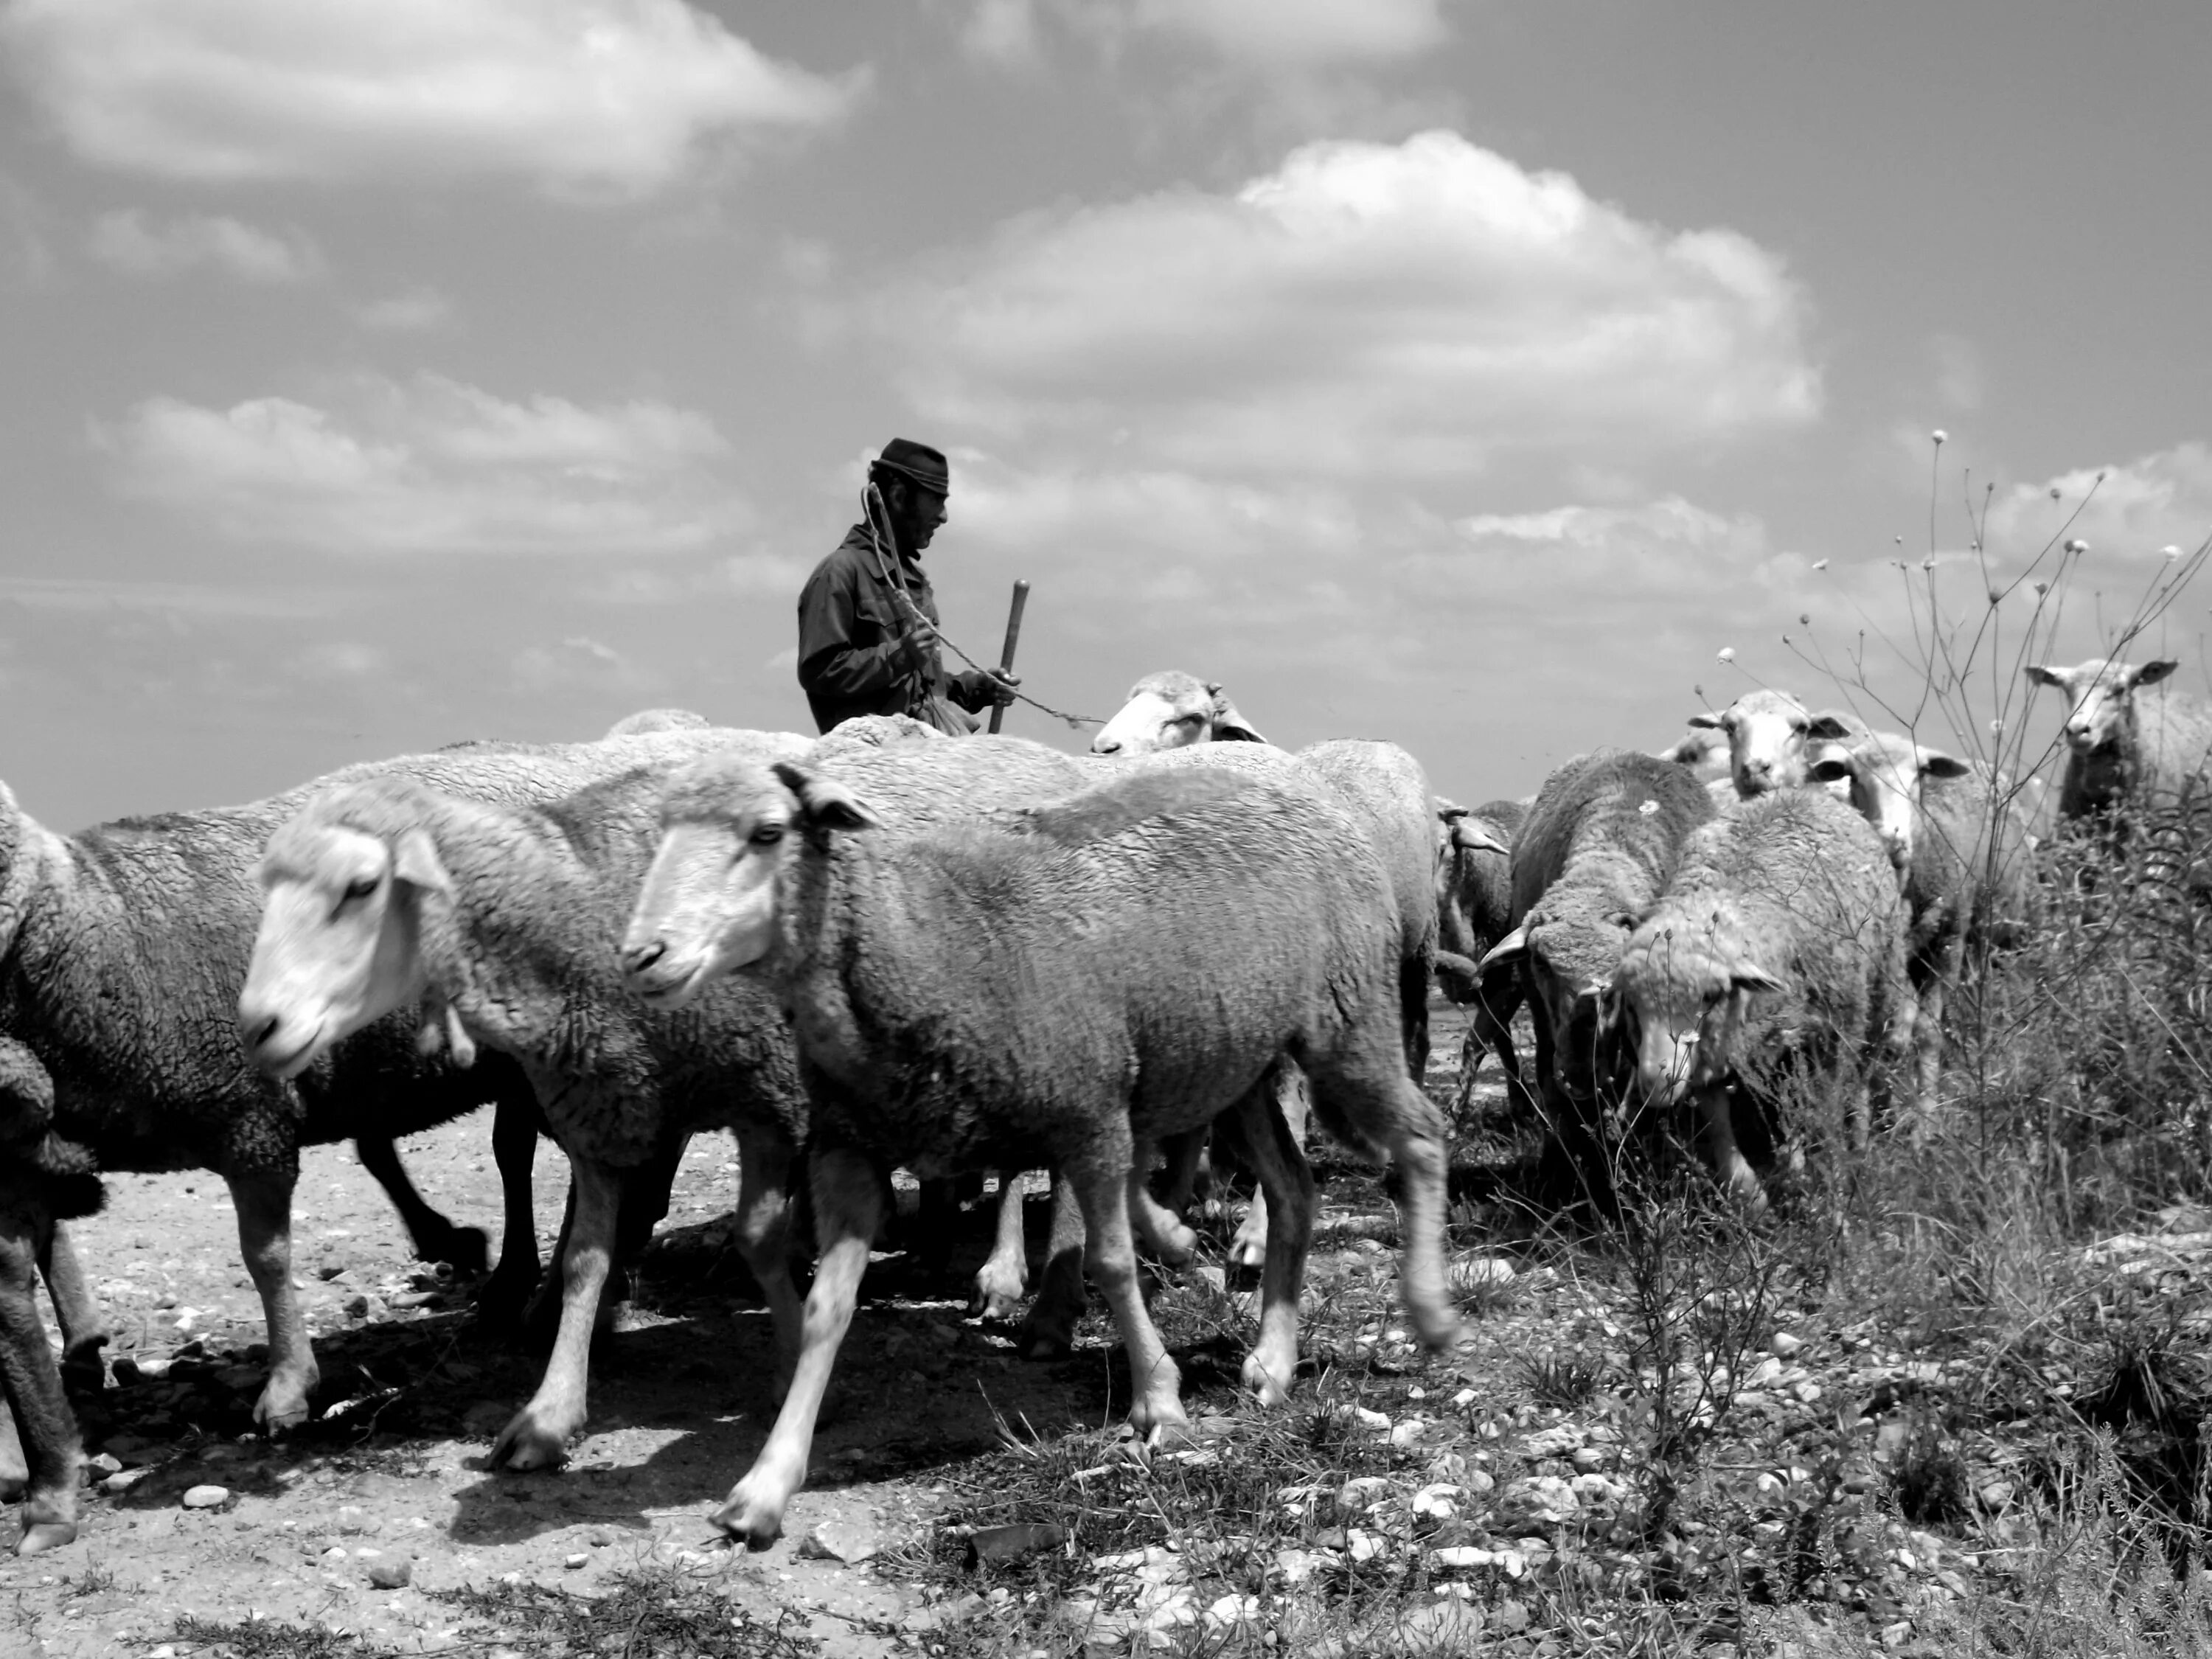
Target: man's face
[(922, 511)]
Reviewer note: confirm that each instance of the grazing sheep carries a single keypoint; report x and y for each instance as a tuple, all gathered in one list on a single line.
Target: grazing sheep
[(1767, 733), (1123, 963), (1962, 848), (1169, 710), (42, 1179), (1596, 850), (2122, 745), (1775, 954), (384, 892), (1475, 910), (122, 949)]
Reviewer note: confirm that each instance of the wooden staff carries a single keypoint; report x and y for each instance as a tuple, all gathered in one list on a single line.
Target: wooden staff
[(1014, 638)]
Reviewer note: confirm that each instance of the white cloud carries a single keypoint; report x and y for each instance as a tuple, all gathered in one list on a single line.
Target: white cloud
[(433, 465), (1413, 311), (130, 242), (1296, 31), (593, 96), (417, 311), (2127, 510)]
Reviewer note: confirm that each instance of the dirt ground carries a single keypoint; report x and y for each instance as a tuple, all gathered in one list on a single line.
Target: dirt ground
[(392, 1476)]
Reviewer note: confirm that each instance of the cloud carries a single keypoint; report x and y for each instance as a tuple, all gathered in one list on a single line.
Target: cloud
[(2130, 510), (431, 465), (418, 310), (137, 246), (1416, 310), (593, 97), (1295, 32)]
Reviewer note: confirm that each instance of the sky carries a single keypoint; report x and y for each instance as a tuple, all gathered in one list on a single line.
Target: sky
[(1502, 380)]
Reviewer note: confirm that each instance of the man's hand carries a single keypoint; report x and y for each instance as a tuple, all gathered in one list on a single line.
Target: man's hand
[(999, 685)]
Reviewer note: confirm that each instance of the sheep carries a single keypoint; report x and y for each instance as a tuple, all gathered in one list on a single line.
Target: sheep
[(2122, 746), (1768, 733), (658, 720), (1474, 904), (1704, 750), (1169, 710), (42, 1180), (1960, 847), (1595, 853), (122, 949), (1123, 963), (1775, 952), (384, 892)]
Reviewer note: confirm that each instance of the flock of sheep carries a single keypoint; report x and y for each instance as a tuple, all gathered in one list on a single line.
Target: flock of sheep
[(884, 948)]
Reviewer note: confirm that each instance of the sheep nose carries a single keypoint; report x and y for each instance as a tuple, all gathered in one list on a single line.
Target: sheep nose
[(263, 1033), (1106, 745), (639, 958)]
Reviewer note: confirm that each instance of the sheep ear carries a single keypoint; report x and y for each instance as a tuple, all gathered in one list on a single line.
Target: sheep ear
[(1512, 949), (1623, 920), (2044, 674), (2152, 672), (1470, 836), (1750, 977), (1229, 725), (1938, 764), (1827, 728), (414, 860), (824, 802), (1706, 722), (1829, 769)]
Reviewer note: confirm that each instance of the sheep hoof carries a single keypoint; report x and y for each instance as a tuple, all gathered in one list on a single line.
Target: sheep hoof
[(14, 1484), (1248, 1255), (1270, 1389), (1040, 1346), (525, 1443), (997, 1297), (281, 1408), (754, 1524), (40, 1536), (464, 1250)]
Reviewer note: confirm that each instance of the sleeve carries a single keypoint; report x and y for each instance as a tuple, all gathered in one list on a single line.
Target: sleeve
[(830, 662)]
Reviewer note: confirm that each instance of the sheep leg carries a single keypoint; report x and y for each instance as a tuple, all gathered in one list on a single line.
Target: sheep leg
[(15, 1473), (763, 1237), (264, 1238), (1928, 1046), (515, 1125), (31, 1390), (1278, 1159), (1103, 1194), (1247, 1251), (847, 1209), (1003, 1279), (1496, 999), (537, 1437), (1048, 1333), (1729, 1165), (1163, 1232), (84, 1330), (1186, 1161), (434, 1237)]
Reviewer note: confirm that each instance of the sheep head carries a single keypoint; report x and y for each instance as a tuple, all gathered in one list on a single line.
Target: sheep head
[(729, 828), (1678, 999), (2099, 695), (1563, 962), (1766, 732), (1172, 710), (345, 885), (1884, 775)]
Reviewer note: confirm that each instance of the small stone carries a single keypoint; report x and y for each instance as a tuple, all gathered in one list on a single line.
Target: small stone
[(206, 1498), (1807, 1393), (1510, 1615), (351, 1518), (101, 1465), (329, 1271), (390, 1575), (1784, 1345), (116, 1484), (852, 1541), (358, 1304), (1481, 1272), (576, 1560), (1995, 1495), (127, 1371)]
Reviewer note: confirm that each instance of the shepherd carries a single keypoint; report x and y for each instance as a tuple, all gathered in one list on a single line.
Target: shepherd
[(867, 617)]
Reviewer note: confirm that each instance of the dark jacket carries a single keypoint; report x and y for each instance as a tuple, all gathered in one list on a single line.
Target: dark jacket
[(853, 656)]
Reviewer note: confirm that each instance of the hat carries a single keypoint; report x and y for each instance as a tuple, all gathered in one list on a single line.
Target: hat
[(917, 464)]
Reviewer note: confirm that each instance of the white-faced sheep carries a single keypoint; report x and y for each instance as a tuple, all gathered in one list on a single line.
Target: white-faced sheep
[(1125, 963), (384, 893), (122, 949), (1475, 910), (1598, 847), (1772, 738), (1774, 961), (1960, 847), (2126, 746), (1169, 710)]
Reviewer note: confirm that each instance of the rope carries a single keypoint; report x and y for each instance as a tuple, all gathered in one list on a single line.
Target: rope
[(872, 499)]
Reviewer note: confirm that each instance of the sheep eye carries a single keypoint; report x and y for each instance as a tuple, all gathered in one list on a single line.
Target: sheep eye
[(362, 887), (1188, 720), (766, 835)]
